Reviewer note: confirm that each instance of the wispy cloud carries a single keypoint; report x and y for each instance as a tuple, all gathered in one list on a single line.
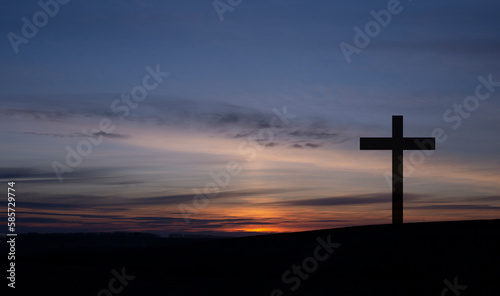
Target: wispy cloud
[(347, 200), (471, 207), (81, 135), (209, 117)]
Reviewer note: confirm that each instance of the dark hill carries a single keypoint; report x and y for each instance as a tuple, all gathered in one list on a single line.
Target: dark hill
[(413, 259)]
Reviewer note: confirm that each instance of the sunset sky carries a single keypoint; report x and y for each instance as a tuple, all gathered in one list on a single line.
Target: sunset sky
[(173, 95)]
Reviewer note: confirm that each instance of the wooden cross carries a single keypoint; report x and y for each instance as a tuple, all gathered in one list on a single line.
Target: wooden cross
[(397, 144)]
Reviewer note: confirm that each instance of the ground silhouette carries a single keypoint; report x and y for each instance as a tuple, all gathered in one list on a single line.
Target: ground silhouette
[(410, 259)]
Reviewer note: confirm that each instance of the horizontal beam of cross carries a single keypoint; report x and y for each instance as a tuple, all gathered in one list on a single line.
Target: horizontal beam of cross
[(397, 144)]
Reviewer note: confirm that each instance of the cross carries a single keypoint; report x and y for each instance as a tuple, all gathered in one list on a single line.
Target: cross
[(397, 144)]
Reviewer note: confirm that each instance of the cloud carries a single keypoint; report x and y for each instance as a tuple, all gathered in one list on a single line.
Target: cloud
[(491, 198), (50, 206), (42, 115), (306, 145), (311, 145), (40, 220), (15, 173), (212, 117), (81, 135), (313, 134), (457, 207), (45, 174), (77, 201), (141, 221), (346, 200)]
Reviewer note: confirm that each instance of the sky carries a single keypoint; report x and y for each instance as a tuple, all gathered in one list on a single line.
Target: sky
[(241, 117)]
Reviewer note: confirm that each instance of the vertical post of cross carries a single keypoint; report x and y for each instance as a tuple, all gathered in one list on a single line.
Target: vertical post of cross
[(397, 170)]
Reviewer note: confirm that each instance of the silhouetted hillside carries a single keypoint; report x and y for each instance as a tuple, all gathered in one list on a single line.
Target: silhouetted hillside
[(414, 259)]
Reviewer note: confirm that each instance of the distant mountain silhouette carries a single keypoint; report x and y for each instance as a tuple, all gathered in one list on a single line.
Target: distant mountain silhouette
[(411, 259)]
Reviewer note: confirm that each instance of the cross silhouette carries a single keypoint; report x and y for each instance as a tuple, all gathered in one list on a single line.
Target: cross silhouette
[(397, 144)]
